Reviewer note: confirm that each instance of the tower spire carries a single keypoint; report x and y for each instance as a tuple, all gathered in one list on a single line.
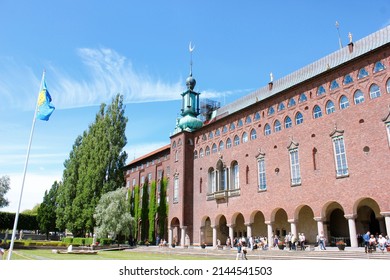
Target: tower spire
[(191, 49)]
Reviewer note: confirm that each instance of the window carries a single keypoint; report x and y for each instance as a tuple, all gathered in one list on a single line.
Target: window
[(302, 98), (211, 180), (358, 97), (321, 90), (329, 107), (248, 120), (298, 118), (228, 143), (362, 73), (344, 102), (317, 113), (277, 126), (334, 84), (388, 86), (225, 129), (287, 122), (291, 102), (214, 148), (388, 131), (236, 140), (222, 174), (211, 135), (244, 137), (253, 134), (239, 123), (281, 106), (340, 156), (374, 91), (174, 144), (257, 116), (378, 66), (207, 151), (235, 176), (261, 173), (347, 79), (314, 154), (201, 153), (176, 189), (267, 129), (176, 155), (232, 126), (217, 132), (221, 146), (295, 168), (271, 111)]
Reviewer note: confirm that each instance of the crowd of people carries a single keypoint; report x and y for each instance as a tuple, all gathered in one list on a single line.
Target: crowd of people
[(372, 242)]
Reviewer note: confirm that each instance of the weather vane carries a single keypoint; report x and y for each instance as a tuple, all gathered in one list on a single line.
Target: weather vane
[(191, 49)]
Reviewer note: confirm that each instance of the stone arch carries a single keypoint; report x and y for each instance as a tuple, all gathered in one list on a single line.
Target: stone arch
[(304, 217), (335, 224), (238, 221), (175, 228), (259, 228), (368, 217), (206, 233), (280, 222)]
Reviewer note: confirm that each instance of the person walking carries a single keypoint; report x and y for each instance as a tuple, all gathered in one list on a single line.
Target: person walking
[(322, 240), (366, 240)]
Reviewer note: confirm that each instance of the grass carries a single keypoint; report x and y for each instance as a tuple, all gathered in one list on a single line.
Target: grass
[(47, 254)]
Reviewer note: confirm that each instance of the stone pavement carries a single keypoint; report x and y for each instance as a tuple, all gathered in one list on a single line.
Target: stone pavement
[(332, 253)]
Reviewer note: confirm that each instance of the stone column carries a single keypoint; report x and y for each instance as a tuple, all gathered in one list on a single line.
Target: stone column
[(248, 230), (231, 233), (293, 226), (270, 234), (170, 236), (183, 235), (214, 235), (387, 222), (352, 230)]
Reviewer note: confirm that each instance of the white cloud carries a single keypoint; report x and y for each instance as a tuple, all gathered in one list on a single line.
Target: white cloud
[(34, 189)]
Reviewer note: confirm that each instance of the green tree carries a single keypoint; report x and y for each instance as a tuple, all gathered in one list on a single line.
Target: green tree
[(4, 188), (112, 215), (152, 212), (93, 169), (162, 208), (47, 211), (145, 211), (137, 210)]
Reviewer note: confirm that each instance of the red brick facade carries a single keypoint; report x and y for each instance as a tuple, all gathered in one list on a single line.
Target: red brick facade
[(329, 173)]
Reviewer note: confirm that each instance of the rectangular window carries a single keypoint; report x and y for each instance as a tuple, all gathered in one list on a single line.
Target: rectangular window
[(262, 178), (236, 174), (295, 168), (223, 177), (176, 189), (340, 157), (134, 182), (388, 131)]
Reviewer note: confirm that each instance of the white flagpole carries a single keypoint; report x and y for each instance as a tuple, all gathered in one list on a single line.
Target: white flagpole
[(24, 173)]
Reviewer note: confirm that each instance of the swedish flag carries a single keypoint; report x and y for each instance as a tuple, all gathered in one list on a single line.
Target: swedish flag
[(45, 109)]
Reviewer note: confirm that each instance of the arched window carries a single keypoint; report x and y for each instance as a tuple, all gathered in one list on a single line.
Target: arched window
[(253, 134), (244, 137), (217, 132), (291, 102), (207, 150), (277, 126), (374, 91), (334, 84), (214, 148), (358, 97), (211, 180), (317, 113), (267, 129), (302, 98), (321, 90), (347, 79), (281, 106), (221, 146), (195, 154), (235, 176), (236, 140), (388, 86), (201, 153), (248, 120), (362, 73), (232, 126), (211, 135), (298, 118), (329, 107), (225, 129), (228, 143), (287, 122), (222, 176), (378, 66), (239, 123), (344, 102), (257, 116), (174, 144), (271, 111)]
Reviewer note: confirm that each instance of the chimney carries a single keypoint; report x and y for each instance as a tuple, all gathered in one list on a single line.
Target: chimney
[(350, 45)]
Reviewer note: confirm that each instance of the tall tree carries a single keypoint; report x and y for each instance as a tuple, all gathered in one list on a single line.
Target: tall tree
[(112, 215), (94, 168), (145, 211), (47, 210), (4, 188)]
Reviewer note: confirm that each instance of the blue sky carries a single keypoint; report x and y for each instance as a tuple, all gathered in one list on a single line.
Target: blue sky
[(92, 50)]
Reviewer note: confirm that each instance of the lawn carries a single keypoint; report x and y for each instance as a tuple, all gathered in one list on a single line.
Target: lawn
[(47, 254)]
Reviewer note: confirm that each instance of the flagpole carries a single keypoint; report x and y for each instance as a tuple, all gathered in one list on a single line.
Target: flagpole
[(24, 173)]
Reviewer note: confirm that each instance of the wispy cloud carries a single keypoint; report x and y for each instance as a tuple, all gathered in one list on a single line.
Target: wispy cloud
[(107, 73)]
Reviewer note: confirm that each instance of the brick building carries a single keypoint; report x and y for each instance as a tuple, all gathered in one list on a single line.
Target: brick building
[(307, 153)]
